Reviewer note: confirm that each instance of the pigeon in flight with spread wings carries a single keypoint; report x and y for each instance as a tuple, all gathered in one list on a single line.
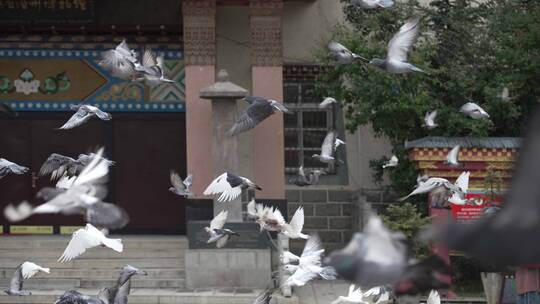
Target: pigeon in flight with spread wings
[(229, 186), (120, 62), (342, 55), (302, 180), (268, 218), (58, 165), (373, 3), (328, 148), (84, 113), (180, 187), (7, 167), (433, 298), (86, 238), (452, 156), (152, 69), (398, 49), (474, 111), (327, 102), (429, 120), (435, 182), (258, 110), (392, 162), (24, 272), (217, 233)]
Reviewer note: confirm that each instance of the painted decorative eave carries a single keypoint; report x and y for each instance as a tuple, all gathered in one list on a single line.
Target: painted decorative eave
[(465, 142)]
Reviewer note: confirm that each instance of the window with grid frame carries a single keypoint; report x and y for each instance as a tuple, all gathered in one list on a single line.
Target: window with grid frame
[(306, 128)]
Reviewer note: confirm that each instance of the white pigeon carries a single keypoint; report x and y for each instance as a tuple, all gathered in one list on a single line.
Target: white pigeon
[(473, 110), (25, 271), (229, 186), (217, 234), (84, 113), (398, 49), (505, 95), (378, 295), (341, 54), (7, 167), (373, 3), (431, 184), (391, 163), (120, 62), (309, 265), (152, 69), (434, 298), (429, 120), (294, 228), (462, 182), (452, 156), (354, 296), (328, 148), (327, 102), (268, 218), (84, 239)]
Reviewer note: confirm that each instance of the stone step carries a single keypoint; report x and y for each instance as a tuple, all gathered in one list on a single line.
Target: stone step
[(42, 283), (99, 274), (99, 252), (84, 263)]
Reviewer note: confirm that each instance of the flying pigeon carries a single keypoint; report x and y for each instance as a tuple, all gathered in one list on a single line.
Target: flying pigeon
[(58, 165), (75, 297), (422, 276), (6, 110), (452, 157), (433, 298), (341, 54), (309, 265), (328, 148), (217, 234), (303, 181), (392, 162), (505, 95), (379, 295), (120, 62), (398, 49), (327, 102), (258, 110), (429, 120), (293, 230), (7, 167), (180, 187), (268, 218), (433, 183), (84, 239), (229, 186), (354, 296), (84, 113), (24, 272), (373, 3), (462, 182), (264, 297), (473, 110), (152, 69)]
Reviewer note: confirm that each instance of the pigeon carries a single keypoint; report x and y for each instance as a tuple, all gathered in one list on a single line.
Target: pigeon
[(75, 297), (505, 95), (7, 167), (86, 238), (83, 114), (392, 162), (264, 297), (433, 183), (328, 148), (119, 293), (303, 181), (462, 182), (268, 218), (398, 49), (342, 55), (327, 102), (422, 276), (429, 120), (24, 272), (152, 69), (473, 110), (433, 297), (354, 296), (373, 3), (120, 62), (452, 157), (293, 230), (217, 234), (372, 258), (180, 187), (258, 110), (58, 165), (379, 295), (229, 186), (6, 110), (309, 265)]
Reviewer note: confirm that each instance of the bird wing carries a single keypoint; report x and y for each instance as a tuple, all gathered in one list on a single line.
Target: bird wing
[(434, 297), (81, 240), (452, 156), (16, 282), (300, 277), (176, 181), (29, 269), (264, 297), (430, 118), (222, 241), (402, 42), (337, 47), (463, 181), (95, 172), (149, 58), (77, 119), (256, 112), (107, 215), (302, 173), (251, 209), (297, 221), (327, 148), (101, 114), (118, 65), (221, 185), (65, 182), (219, 220), (188, 181), (312, 253), (53, 162), (326, 102), (277, 216)]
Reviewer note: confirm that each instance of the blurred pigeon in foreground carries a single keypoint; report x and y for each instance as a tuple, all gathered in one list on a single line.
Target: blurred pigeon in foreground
[(25, 271), (422, 276), (398, 49), (327, 102), (452, 156), (510, 236), (309, 265), (429, 120), (7, 167), (373, 3), (258, 110), (120, 62), (152, 69), (229, 186), (86, 238), (473, 110), (343, 55), (217, 234), (180, 187), (84, 113), (392, 162), (328, 148)]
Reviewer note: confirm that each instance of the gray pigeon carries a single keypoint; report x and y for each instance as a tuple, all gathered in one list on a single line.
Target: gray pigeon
[(303, 181), (217, 233), (180, 187), (120, 62), (264, 297), (373, 3), (7, 167), (152, 69), (58, 165), (120, 292), (398, 49), (75, 297), (258, 110), (84, 113), (25, 271), (342, 55), (473, 110)]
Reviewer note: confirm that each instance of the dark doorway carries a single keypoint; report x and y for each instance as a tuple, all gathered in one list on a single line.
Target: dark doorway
[(145, 147)]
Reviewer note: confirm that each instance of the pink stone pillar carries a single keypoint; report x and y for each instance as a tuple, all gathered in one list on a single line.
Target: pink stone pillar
[(267, 81), (199, 18)]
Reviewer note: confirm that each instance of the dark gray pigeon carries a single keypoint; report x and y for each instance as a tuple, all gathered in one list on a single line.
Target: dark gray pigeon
[(58, 165), (119, 293), (84, 113), (75, 297), (302, 180), (7, 167), (25, 271), (258, 110)]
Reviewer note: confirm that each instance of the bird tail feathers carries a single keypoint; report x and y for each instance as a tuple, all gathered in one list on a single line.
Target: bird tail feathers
[(114, 244), (19, 213), (46, 270)]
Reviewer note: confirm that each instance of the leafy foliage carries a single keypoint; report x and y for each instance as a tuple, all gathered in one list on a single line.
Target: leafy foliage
[(472, 50)]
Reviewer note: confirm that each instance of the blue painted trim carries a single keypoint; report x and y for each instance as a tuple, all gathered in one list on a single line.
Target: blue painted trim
[(47, 106)]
